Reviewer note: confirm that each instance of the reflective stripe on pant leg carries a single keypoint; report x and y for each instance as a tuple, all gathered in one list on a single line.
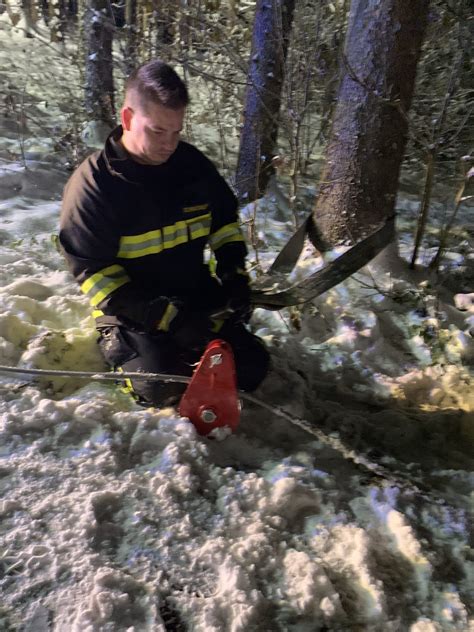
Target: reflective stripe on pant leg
[(155, 354), (126, 386)]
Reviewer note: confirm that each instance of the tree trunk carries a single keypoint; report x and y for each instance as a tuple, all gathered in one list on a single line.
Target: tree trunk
[(45, 11), (57, 20), (360, 179), (13, 12), (30, 13), (99, 89), (131, 48), (271, 31), (164, 16)]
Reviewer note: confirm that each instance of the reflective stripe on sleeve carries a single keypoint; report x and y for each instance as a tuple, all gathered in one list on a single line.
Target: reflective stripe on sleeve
[(227, 234), (155, 241), (133, 246), (104, 282)]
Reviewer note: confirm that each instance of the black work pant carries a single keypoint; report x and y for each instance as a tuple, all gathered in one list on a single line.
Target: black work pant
[(132, 351)]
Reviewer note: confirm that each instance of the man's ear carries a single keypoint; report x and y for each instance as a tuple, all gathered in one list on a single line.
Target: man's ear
[(126, 115)]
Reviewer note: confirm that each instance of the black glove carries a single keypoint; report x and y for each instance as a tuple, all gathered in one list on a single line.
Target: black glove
[(194, 331), (163, 314), (190, 328), (236, 290)]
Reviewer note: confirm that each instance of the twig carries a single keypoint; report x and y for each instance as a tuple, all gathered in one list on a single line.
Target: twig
[(431, 161), (434, 264), (425, 204)]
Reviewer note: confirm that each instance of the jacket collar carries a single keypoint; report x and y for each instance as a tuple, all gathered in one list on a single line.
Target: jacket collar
[(118, 160), (121, 164)]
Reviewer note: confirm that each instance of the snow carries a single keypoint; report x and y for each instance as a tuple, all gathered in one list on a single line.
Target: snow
[(114, 517)]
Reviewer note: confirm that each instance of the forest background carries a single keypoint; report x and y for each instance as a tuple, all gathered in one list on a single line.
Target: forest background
[(272, 75), (113, 516)]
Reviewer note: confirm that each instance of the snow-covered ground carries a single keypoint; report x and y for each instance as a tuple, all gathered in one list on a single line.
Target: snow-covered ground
[(116, 518)]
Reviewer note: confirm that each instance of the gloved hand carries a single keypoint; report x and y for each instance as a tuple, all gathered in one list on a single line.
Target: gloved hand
[(236, 290), (191, 329), (194, 331), (169, 314)]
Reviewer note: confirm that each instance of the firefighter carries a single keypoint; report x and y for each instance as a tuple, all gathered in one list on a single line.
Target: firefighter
[(136, 220)]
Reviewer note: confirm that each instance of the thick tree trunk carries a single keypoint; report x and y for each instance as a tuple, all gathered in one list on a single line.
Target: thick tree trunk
[(99, 89), (271, 31), (360, 179)]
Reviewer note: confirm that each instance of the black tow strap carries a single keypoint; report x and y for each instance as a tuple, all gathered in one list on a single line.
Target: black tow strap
[(267, 294), (291, 251)]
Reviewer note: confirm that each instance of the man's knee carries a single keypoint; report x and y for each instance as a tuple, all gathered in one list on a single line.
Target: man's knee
[(155, 393), (115, 347), (252, 360), (253, 368), (131, 351)]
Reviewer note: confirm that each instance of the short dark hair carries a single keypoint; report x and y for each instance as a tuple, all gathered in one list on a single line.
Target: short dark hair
[(157, 82)]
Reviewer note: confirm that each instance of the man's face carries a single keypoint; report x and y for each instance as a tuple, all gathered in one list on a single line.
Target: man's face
[(151, 134)]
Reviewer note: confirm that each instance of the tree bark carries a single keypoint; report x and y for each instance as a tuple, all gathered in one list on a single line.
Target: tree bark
[(272, 26), (44, 4), (164, 16), (99, 88), (131, 48), (368, 137), (30, 13)]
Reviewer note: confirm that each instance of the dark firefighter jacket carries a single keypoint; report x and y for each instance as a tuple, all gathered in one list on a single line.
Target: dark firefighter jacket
[(133, 234)]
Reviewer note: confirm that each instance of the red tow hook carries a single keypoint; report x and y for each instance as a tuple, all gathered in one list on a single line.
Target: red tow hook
[(211, 400)]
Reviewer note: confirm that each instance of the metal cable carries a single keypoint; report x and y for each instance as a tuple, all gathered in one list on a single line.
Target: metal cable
[(332, 441)]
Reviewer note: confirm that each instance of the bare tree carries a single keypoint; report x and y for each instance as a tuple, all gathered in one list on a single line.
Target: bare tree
[(30, 13), (99, 88), (360, 179), (271, 31), (131, 49)]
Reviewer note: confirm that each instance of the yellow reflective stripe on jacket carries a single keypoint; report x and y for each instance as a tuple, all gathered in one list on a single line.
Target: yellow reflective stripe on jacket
[(155, 241), (132, 246), (104, 282), (175, 234), (199, 226), (227, 234)]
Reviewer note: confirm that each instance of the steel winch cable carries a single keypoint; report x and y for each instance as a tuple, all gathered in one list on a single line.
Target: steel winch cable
[(99, 375), (330, 440)]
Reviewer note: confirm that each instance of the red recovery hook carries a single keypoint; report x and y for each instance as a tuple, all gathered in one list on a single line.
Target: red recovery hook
[(211, 400)]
